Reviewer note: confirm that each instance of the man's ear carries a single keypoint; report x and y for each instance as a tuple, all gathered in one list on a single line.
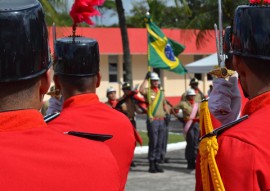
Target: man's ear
[(56, 82), (45, 80), (238, 65), (98, 80)]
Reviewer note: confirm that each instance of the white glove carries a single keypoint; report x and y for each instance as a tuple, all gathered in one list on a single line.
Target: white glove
[(225, 99)]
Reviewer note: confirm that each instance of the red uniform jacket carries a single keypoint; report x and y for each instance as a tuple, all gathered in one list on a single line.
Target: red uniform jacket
[(86, 113), (34, 157), (243, 157)]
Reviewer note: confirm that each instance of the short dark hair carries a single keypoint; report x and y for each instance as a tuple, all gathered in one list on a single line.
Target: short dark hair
[(24, 86), (261, 68), (76, 82)]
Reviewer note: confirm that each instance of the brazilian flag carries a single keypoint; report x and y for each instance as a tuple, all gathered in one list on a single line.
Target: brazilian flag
[(162, 51)]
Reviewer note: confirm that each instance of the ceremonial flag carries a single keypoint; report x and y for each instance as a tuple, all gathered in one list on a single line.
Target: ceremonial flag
[(162, 51)]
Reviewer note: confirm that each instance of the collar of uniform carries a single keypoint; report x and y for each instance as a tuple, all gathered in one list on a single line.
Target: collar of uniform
[(256, 103), (81, 99), (20, 120)]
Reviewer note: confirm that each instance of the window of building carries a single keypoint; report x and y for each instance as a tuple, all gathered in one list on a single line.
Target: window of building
[(198, 76), (113, 68), (209, 77), (124, 72)]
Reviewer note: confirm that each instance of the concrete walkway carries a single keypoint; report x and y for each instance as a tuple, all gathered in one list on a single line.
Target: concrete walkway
[(176, 176)]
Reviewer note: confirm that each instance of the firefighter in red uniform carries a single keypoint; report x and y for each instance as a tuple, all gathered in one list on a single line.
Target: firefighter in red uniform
[(244, 149), (77, 77), (34, 157)]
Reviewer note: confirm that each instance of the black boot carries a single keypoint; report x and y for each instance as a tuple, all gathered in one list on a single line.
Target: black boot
[(133, 164), (152, 168), (161, 160), (158, 168), (191, 164)]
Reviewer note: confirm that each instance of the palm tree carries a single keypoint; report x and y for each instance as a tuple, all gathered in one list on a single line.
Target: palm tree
[(125, 41), (204, 14)]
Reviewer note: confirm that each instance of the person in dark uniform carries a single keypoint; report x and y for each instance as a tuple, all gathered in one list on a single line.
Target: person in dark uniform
[(243, 151), (33, 156), (76, 75)]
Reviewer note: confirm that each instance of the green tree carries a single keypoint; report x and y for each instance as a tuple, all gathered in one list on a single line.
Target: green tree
[(200, 15), (204, 14), (52, 16), (170, 17)]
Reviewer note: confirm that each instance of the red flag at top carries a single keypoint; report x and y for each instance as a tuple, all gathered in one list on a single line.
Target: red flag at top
[(82, 10)]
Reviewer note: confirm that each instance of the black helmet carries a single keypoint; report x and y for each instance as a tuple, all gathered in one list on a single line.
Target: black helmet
[(78, 56), (126, 86), (227, 40), (24, 51), (194, 81), (227, 47), (251, 31)]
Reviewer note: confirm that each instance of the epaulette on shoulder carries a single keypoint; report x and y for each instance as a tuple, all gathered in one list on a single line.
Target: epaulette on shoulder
[(90, 136), (48, 118), (223, 128)]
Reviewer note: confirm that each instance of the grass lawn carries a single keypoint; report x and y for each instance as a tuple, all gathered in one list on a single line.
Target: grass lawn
[(173, 138)]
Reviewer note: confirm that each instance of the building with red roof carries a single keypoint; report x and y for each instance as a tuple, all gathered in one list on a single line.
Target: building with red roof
[(111, 57)]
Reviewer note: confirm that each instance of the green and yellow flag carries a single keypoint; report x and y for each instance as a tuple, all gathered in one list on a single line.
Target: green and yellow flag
[(162, 51)]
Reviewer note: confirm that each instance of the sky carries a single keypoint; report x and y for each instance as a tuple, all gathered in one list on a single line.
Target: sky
[(108, 18)]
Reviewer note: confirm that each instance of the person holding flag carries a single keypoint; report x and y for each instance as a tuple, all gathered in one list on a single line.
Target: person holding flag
[(157, 109), (162, 54)]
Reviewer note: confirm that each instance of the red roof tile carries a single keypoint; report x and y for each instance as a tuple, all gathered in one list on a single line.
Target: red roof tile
[(110, 41)]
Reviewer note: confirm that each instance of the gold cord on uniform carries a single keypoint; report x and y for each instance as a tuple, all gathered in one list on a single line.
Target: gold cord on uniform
[(208, 149)]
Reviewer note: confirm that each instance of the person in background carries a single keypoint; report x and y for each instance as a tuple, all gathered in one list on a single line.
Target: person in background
[(191, 130), (194, 84), (244, 148), (76, 75), (157, 109), (111, 95), (210, 89), (131, 103), (55, 103), (33, 156)]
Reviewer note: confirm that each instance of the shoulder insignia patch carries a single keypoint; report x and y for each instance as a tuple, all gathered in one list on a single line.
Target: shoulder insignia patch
[(91, 136), (223, 128), (48, 118)]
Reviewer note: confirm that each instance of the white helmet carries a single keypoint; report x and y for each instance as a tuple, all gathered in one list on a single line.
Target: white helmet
[(190, 92), (110, 89), (154, 76)]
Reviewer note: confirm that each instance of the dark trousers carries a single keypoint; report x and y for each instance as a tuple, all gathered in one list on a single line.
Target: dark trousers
[(192, 139), (165, 142), (156, 133)]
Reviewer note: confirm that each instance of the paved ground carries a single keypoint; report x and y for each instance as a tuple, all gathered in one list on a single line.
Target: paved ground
[(175, 178)]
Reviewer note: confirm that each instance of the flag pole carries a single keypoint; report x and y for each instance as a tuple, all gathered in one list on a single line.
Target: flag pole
[(148, 70)]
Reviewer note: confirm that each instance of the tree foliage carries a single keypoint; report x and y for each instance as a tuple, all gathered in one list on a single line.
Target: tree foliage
[(52, 16), (187, 14)]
